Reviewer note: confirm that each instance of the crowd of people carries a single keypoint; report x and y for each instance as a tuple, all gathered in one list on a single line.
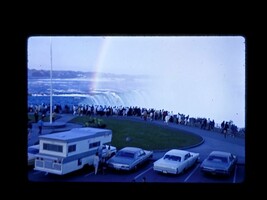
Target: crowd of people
[(227, 127)]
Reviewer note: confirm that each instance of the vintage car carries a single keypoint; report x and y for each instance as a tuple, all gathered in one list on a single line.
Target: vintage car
[(108, 151), (129, 158), (219, 163), (175, 161), (32, 151)]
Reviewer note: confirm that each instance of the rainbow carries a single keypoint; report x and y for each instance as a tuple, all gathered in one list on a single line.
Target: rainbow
[(100, 61)]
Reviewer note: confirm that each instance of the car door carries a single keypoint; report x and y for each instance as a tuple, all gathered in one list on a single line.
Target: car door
[(232, 162), (141, 156)]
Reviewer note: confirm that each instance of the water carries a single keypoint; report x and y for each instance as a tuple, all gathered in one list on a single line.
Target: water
[(82, 92), (105, 98), (126, 92)]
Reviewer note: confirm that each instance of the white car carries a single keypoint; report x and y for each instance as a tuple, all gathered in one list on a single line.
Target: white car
[(108, 151), (32, 151), (175, 161)]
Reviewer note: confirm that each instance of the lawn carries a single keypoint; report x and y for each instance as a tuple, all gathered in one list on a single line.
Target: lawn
[(144, 134)]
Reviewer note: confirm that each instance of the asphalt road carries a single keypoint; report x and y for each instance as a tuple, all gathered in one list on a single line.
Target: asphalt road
[(192, 175)]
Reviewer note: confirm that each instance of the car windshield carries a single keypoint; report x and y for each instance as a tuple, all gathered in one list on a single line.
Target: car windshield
[(218, 159), (33, 150), (172, 157), (125, 154)]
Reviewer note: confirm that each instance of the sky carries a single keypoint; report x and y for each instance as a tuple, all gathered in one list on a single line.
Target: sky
[(203, 76)]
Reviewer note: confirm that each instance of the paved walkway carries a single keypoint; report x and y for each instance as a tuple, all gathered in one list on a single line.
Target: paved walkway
[(211, 140), (63, 118)]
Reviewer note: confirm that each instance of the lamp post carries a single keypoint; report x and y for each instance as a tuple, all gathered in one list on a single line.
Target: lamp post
[(51, 92)]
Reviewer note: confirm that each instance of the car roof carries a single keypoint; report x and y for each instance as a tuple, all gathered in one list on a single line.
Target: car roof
[(131, 149), (177, 151), (220, 153)]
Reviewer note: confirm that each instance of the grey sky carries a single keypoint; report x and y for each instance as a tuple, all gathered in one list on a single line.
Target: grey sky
[(206, 73)]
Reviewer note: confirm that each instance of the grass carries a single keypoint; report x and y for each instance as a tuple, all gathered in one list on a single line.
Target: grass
[(144, 134)]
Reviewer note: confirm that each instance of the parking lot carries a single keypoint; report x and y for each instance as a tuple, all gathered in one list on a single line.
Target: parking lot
[(144, 173), (212, 141)]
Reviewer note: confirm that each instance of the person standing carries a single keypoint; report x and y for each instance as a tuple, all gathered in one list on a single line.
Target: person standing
[(225, 129), (104, 159), (222, 127), (29, 127), (108, 153), (53, 116), (40, 125), (36, 115), (96, 162)]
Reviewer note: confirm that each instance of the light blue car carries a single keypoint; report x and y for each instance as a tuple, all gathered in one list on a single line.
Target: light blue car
[(219, 163), (129, 158)]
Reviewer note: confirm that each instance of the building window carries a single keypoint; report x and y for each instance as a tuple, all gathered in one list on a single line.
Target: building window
[(79, 161), (53, 147), (72, 148), (94, 144)]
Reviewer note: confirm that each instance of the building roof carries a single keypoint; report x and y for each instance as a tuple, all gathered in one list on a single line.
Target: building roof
[(76, 134)]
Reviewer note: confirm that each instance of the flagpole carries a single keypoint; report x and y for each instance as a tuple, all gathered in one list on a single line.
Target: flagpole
[(51, 93)]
